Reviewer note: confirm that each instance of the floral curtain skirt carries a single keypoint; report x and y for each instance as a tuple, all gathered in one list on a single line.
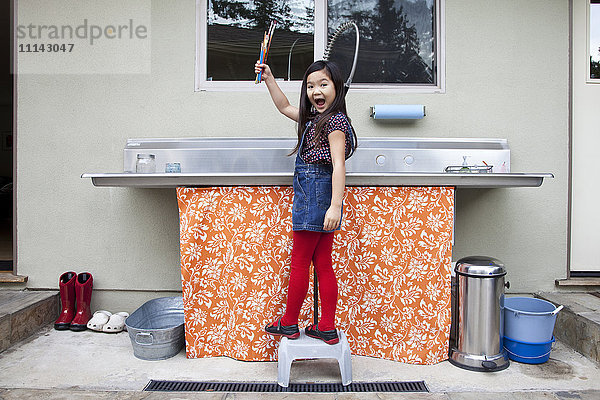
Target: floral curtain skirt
[(392, 261)]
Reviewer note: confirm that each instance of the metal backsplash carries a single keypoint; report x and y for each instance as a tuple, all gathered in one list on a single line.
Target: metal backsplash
[(269, 155)]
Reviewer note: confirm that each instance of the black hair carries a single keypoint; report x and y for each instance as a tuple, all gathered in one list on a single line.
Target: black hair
[(339, 103)]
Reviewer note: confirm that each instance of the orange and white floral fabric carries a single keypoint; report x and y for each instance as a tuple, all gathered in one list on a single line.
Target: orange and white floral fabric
[(392, 261)]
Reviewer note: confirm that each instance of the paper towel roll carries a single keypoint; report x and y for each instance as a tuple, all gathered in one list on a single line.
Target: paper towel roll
[(398, 111)]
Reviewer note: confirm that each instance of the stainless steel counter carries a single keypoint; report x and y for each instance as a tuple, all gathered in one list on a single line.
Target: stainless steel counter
[(265, 162), (172, 180)]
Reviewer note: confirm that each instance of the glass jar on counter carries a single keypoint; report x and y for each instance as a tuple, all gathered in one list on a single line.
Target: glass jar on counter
[(145, 164)]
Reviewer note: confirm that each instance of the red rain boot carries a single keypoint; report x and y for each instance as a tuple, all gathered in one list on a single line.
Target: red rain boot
[(66, 284), (83, 290)]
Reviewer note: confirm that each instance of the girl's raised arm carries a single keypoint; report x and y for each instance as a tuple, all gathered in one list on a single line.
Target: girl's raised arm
[(281, 101)]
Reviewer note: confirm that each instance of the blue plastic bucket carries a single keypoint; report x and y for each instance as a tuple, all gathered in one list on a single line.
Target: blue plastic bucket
[(529, 353), (529, 320)]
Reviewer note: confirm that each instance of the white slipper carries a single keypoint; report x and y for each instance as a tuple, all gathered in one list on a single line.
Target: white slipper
[(99, 319), (116, 323)]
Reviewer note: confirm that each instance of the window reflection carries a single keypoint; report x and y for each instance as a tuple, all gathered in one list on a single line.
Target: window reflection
[(235, 31), (594, 40), (396, 39)]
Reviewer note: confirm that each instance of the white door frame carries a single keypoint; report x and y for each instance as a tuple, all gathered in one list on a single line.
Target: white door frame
[(584, 217)]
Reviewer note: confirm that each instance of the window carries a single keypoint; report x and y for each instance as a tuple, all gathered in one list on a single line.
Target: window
[(594, 39), (397, 39), (400, 41), (235, 30)]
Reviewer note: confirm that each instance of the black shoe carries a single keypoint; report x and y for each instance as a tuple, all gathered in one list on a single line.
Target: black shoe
[(290, 331), (329, 337)]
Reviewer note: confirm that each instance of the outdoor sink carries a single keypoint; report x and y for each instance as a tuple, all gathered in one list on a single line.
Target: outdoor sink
[(195, 162)]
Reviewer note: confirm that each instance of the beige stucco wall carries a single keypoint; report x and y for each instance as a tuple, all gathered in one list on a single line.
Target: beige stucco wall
[(507, 77)]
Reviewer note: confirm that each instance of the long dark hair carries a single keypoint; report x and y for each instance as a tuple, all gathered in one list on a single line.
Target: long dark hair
[(339, 103)]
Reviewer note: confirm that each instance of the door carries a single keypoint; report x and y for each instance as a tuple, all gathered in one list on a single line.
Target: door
[(585, 190), (6, 139)]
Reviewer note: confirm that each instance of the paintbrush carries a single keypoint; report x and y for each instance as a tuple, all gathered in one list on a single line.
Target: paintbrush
[(264, 49)]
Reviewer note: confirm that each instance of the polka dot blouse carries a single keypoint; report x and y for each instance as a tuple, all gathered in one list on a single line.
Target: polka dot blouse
[(320, 153)]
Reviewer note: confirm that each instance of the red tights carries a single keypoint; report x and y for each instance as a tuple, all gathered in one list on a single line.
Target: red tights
[(316, 247)]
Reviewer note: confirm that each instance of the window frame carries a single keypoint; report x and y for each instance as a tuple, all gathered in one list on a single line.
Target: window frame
[(320, 39)]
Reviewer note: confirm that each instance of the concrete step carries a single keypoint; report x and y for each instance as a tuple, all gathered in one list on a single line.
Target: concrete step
[(23, 313), (578, 323)]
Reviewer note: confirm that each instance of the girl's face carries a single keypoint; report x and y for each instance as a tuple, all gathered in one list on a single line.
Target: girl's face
[(320, 90)]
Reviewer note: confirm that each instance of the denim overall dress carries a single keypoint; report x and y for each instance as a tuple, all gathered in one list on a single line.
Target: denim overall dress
[(312, 193)]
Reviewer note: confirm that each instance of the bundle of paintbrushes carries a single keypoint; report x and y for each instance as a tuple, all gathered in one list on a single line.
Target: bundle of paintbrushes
[(264, 49)]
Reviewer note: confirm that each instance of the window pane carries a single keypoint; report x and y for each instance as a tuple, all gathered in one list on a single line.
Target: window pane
[(236, 29), (397, 39), (594, 39)]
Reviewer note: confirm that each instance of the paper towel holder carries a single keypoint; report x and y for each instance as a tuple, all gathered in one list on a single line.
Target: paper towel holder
[(372, 114)]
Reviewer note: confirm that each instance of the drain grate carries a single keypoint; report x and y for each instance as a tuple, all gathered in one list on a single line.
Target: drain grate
[(180, 386)]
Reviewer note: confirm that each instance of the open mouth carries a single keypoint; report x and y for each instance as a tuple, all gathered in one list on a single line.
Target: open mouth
[(320, 102)]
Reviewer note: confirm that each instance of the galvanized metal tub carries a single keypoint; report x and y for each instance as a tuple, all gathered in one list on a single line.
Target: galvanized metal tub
[(156, 329)]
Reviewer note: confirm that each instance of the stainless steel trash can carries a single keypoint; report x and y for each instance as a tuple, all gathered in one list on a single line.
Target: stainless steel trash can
[(478, 306)]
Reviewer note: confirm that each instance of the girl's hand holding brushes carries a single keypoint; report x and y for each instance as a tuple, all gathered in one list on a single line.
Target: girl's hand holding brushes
[(264, 70)]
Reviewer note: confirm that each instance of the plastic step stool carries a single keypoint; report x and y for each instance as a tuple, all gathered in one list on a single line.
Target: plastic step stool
[(307, 347)]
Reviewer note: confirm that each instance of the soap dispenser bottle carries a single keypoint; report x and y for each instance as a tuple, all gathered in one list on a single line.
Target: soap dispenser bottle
[(465, 166)]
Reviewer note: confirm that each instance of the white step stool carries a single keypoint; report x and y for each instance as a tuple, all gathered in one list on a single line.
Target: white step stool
[(307, 347)]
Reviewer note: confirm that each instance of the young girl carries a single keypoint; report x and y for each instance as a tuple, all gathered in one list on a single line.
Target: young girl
[(325, 140)]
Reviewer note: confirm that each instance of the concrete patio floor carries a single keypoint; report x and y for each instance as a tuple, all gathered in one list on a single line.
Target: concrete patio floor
[(64, 364)]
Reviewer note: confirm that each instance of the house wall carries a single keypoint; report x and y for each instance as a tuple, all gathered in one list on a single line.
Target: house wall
[(506, 77)]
